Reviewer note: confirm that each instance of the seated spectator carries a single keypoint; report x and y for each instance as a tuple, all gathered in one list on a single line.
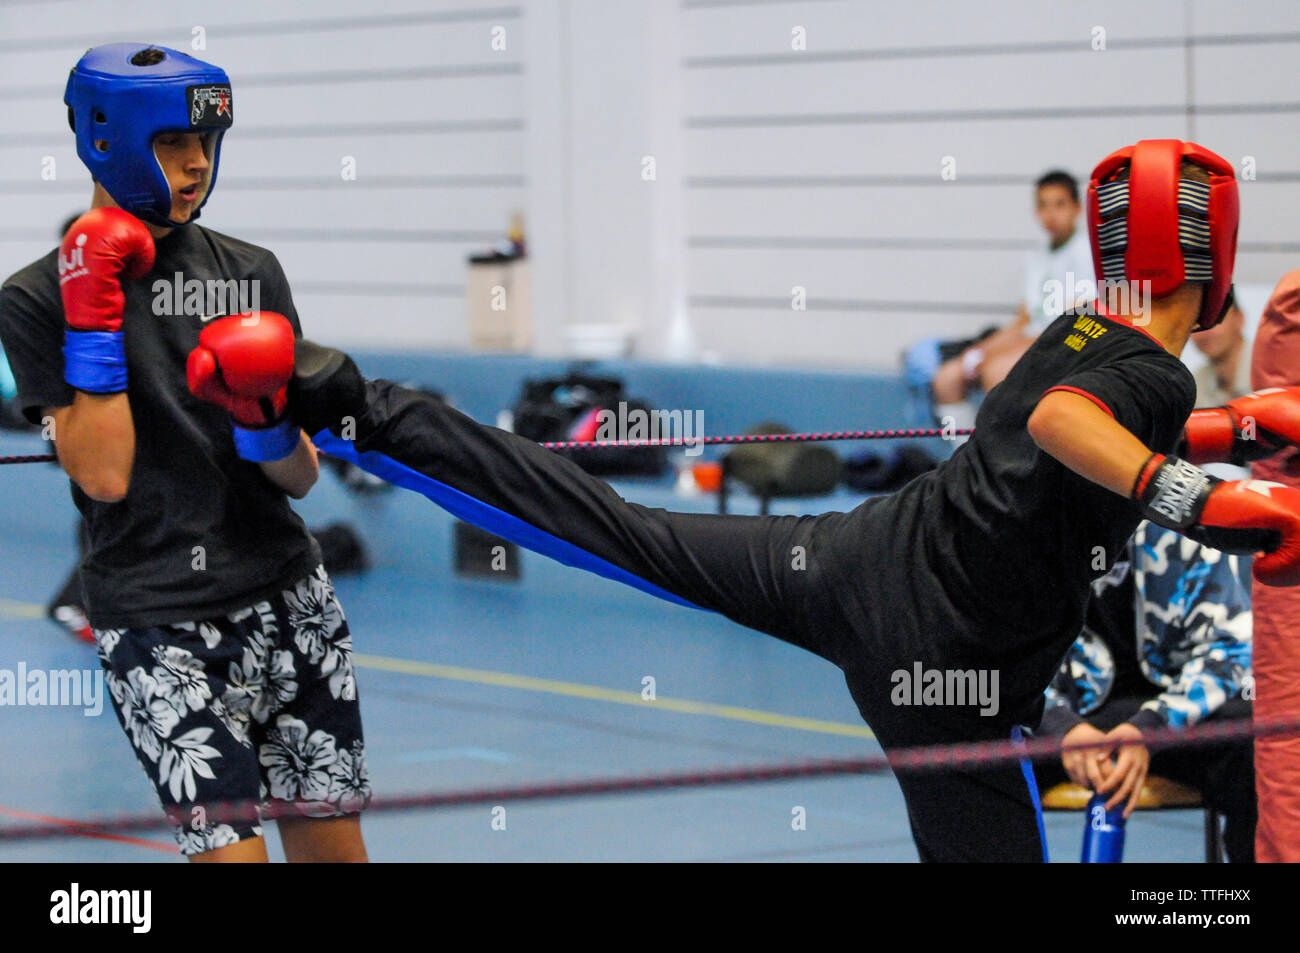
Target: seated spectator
[(1182, 658), (1067, 259), (1227, 375)]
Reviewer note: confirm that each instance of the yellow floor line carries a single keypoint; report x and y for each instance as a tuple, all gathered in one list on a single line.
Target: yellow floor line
[(596, 693), (14, 609)]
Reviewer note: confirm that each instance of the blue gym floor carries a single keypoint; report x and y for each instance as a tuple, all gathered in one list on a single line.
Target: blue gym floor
[(440, 658)]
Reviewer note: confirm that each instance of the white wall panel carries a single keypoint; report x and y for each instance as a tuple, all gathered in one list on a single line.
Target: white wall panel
[(412, 90), (776, 167), (821, 167)]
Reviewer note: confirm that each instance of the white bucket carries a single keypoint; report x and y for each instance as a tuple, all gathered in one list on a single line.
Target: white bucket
[(597, 342)]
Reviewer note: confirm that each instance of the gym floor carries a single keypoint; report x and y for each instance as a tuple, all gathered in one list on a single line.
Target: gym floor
[(469, 683)]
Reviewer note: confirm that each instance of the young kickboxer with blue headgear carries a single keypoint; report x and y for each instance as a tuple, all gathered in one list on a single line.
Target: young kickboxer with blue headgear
[(226, 653)]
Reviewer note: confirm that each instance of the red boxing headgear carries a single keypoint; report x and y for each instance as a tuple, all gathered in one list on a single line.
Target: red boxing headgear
[(1165, 229)]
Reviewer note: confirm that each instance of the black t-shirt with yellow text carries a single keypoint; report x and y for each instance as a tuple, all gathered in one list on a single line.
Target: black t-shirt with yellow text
[(1031, 509), (988, 560)]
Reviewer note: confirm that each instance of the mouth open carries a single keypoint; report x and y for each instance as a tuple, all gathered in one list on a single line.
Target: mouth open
[(190, 192)]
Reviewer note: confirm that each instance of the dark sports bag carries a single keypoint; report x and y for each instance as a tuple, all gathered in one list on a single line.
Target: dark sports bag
[(782, 470), (874, 473), (563, 408)]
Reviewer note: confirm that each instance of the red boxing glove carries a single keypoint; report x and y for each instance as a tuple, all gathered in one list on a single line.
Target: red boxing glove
[(1241, 516), (1246, 429), (102, 247), (243, 363)]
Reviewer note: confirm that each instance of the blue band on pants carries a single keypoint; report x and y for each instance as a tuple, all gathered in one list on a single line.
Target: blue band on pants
[(1027, 768), (465, 507)]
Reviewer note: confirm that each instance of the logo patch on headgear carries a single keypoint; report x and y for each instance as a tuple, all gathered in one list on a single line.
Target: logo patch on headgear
[(210, 105)]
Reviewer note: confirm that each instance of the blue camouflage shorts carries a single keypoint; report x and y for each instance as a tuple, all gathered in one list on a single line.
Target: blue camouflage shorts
[(253, 708)]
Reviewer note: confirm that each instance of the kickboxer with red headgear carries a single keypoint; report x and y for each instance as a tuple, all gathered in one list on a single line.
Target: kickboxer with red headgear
[(981, 566)]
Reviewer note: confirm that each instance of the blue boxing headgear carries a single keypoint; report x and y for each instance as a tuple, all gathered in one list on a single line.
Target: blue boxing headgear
[(120, 96)]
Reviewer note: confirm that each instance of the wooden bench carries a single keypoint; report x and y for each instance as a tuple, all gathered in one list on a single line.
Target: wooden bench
[(1158, 794)]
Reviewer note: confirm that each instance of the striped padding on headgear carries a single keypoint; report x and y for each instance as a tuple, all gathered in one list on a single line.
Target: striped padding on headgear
[(1193, 229), (1162, 228)]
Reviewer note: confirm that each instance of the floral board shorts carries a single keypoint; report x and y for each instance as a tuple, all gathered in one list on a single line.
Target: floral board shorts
[(256, 707)]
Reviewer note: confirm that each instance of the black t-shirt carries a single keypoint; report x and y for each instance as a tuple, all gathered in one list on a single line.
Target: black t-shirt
[(987, 561), (201, 532), (1051, 528)]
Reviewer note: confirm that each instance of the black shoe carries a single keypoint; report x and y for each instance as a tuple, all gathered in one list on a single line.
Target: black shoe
[(327, 389), (73, 620)]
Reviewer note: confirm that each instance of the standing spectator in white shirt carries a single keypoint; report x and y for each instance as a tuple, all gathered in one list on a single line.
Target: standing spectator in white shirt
[(1057, 278)]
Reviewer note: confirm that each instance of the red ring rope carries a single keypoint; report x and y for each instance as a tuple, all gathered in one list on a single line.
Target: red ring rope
[(693, 442), (930, 758), (757, 438)]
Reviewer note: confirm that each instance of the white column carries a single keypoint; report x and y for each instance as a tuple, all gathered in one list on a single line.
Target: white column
[(549, 170), (603, 101)]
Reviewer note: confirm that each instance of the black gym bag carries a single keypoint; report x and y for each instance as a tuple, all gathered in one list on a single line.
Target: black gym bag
[(549, 410)]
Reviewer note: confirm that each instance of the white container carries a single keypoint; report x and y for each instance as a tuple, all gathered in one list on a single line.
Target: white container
[(597, 342)]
